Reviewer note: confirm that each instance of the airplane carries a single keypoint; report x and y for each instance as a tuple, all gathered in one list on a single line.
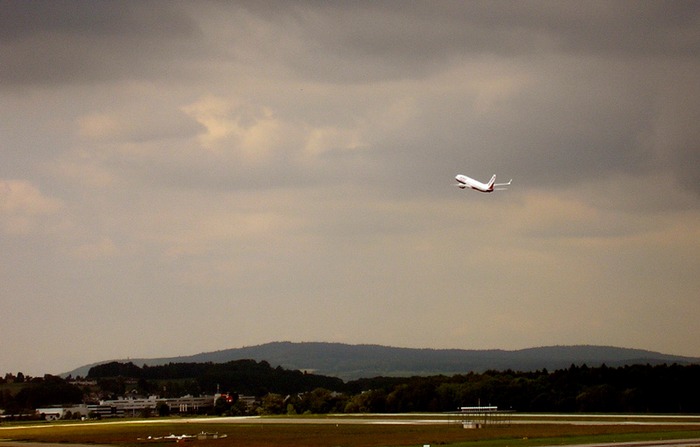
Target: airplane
[(467, 182), (179, 438)]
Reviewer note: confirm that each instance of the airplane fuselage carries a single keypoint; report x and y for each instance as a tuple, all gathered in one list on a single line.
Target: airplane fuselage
[(467, 182)]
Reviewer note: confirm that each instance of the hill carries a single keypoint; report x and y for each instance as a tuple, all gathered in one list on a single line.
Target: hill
[(363, 361)]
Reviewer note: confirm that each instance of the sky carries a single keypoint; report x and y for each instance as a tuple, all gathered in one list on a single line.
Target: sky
[(184, 177)]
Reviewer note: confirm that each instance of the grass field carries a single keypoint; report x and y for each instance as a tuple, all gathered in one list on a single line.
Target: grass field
[(288, 432)]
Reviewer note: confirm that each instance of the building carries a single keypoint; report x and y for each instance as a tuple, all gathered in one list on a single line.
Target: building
[(133, 407), (59, 412), (480, 417)]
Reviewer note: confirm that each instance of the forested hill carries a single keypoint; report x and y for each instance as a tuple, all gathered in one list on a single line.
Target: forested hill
[(350, 362), (244, 376)]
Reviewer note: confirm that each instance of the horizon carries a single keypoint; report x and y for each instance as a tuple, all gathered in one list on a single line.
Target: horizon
[(179, 176), (132, 359)]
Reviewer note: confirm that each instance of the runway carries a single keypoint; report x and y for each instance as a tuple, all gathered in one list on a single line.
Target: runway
[(411, 419), (345, 420), (659, 443)]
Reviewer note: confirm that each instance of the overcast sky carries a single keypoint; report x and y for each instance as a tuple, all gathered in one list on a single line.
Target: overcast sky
[(183, 177)]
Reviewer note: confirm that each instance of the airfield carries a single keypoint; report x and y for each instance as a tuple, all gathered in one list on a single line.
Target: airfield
[(521, 430)]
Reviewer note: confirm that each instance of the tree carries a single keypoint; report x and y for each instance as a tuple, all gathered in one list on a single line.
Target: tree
[(372, 401), (598, 398), (146, 412), (113, 386), (322, 401), (52, 390), (272, 403), (115, 369), (162, 409), (146, 388)]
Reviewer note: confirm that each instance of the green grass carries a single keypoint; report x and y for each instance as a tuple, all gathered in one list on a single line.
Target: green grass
[(564, 440)]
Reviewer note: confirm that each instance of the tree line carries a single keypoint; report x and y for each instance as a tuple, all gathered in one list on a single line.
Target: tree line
[(629, 389), (32, 393), (242, 376)]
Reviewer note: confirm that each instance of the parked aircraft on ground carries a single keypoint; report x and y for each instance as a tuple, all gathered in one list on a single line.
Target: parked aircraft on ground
[(467, 182)]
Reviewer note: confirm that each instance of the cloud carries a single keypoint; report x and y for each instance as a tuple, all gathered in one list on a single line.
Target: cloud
[(609, 63), (23, 207), (96, 250), (674, 130), (205, 161), (151, 123), (70, 41), (399, 41), (254, 134)]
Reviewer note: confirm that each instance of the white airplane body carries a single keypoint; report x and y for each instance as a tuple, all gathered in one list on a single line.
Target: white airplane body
[(467, 182), (178, 437)]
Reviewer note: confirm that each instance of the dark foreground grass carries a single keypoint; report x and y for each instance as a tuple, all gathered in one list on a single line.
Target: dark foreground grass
[(286, 434)]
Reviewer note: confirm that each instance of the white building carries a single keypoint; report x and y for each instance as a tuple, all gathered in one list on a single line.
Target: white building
[(59, 412), (134, 407)]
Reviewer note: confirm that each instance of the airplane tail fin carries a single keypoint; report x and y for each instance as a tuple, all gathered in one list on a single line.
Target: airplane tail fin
[(492, 181)]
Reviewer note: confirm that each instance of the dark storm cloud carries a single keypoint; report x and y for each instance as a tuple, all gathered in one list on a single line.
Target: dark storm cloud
[(593, 104), (338, 41), (91, 18), (74, 41), (361, 41)]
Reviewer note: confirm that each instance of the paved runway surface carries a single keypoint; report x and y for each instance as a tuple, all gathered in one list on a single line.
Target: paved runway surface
[(415, 419)]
